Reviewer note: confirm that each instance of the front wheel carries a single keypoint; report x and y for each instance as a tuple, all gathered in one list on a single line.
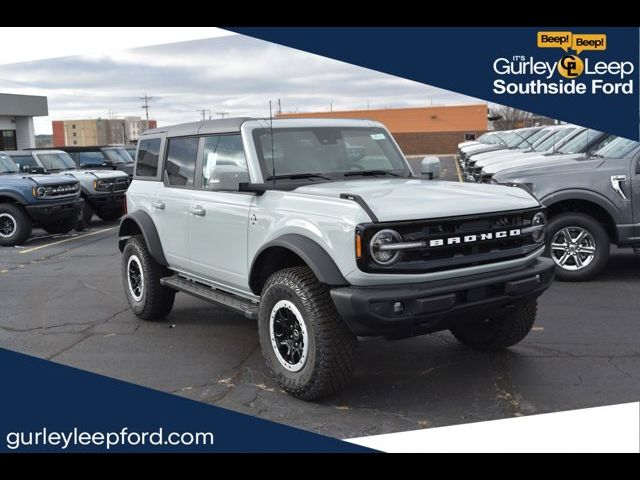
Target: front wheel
[(305, 343), (141, 276), (15, 225), (110, 215), (578, 245), (499, 332)]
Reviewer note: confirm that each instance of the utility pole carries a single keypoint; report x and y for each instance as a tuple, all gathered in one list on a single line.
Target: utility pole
[(331, 106), (204, 113), (279, 107), (222, 114), (146, 106)]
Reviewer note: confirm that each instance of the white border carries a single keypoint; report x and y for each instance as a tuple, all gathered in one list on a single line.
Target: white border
[(610, 429)]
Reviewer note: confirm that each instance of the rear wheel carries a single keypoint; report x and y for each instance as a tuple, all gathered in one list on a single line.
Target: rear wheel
[(141, 276), (578, 245), (499, 332), (15, 225), (306, 345)]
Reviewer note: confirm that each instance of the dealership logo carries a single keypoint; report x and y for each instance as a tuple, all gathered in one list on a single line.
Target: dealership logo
[(570, 66), (570, 74), (476, 237)]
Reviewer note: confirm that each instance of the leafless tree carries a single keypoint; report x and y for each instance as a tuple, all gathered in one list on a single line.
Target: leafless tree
[(506, 118)]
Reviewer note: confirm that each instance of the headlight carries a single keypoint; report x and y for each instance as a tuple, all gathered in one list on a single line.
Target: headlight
[(385, 237), (539, 226), (103, 185), (39, 192)]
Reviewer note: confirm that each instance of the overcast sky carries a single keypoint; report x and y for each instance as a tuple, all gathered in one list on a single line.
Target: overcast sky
[(234, 74)]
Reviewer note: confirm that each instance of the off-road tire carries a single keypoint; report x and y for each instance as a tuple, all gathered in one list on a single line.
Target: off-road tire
[(156, 300), (86, 214), (61, 226), (600, 236), (499, 332), (329, 364), (23, 225)]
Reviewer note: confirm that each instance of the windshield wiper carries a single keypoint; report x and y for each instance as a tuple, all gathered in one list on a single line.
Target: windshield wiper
[(295, 176), (8, 171), (597, 155), (365, 173)]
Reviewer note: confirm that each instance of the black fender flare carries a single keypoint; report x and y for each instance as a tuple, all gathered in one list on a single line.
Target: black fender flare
[(313, 255), (586, 195), (14, 196), (144, 224)]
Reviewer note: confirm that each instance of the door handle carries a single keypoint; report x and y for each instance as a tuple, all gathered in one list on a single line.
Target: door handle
[(198, 211), (158, 205)]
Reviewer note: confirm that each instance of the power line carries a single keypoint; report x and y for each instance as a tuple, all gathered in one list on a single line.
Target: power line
[(222, 114), (146, 105)]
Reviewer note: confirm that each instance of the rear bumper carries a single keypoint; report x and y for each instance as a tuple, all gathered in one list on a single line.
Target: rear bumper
[(434, 306), (109, 202), (52, 212)]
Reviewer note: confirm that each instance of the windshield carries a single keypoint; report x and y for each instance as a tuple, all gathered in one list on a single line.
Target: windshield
[(328, 152), (580, 142), (117, 155), (518, 137), (550, 142), (617, 148), (54, 162), (7, 165)]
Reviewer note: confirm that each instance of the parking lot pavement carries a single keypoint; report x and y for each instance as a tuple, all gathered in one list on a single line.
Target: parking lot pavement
[(65, 302)]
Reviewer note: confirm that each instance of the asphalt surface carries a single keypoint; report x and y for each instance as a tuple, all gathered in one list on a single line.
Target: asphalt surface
[(64, 302)]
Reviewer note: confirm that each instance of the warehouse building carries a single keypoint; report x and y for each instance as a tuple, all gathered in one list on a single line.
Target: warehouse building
[(16, 120), (421, 130)]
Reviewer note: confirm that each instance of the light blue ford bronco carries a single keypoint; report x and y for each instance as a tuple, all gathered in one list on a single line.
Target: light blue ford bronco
[(320, 231)]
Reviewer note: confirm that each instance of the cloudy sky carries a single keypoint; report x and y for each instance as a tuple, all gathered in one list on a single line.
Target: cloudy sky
[(234, 74)]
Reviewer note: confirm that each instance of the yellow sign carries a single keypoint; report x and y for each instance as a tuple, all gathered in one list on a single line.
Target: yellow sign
[(589, 41), (570, 66), (555, 40)]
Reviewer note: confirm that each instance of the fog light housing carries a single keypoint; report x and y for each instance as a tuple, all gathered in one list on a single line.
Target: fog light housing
[(398, 307), (539, 220)]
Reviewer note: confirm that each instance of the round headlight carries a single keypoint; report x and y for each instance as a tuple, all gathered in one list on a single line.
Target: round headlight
[(539, 220), (41, 192), (385, 237)]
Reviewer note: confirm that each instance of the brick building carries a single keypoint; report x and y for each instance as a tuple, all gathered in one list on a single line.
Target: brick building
[(83, 133), (421, 130)]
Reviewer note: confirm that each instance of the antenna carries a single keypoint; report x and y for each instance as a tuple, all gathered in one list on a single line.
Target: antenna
[(273, 157), (146, 105)]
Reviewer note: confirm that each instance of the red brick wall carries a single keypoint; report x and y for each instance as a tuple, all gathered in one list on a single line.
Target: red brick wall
[(431, 142), (58, 133)]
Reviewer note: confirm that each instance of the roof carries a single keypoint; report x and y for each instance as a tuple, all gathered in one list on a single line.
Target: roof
[(23, 105), (29, 152), (230, 125)]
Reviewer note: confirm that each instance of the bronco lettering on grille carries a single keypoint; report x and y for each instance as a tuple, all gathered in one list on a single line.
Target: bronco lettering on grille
[(476, 237)]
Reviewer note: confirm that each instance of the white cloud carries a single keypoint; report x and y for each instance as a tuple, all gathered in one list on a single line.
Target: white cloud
[(234, 74)]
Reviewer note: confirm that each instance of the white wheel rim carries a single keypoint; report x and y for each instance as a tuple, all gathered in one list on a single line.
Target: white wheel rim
[(573, 248), (8, 225), (289, 338), (135, 278)]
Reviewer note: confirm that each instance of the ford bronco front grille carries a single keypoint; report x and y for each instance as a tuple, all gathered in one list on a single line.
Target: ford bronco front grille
[(61, 190), (458, 242), (121, 184)]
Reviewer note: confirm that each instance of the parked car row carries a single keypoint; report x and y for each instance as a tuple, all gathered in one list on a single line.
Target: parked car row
[(60, 191), (588, 180)]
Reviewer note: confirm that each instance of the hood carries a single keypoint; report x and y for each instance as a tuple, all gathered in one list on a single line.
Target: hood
[(36, 179), (481, 157), (573, 163), (476, 149), (412, 199), (535, 161), (530, 156), (97, 174)]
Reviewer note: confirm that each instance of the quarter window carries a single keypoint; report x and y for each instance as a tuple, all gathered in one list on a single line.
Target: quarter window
[(180, 167), (224, 165), (147, 165)]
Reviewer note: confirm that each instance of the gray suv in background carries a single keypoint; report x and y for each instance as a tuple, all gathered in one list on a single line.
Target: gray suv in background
[(592, 201)]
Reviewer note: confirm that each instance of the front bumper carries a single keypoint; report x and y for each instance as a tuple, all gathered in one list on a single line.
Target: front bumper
[(109, 202), (433, 306), (51, 212)]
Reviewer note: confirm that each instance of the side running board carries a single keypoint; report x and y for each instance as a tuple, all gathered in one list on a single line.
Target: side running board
[(233, 302)]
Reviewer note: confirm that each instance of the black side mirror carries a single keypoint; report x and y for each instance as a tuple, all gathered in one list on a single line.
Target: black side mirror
[(38, 170), (25, 169), (83, 165)]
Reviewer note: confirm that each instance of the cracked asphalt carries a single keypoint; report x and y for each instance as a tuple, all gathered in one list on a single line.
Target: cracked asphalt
[(65, 303)]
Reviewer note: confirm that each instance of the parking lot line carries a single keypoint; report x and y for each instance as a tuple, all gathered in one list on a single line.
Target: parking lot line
[(455, 160), (40, 247)]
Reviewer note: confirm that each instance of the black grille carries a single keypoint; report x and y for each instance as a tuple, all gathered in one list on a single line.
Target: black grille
[(482, 239), (61, 190), (121, 184)]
